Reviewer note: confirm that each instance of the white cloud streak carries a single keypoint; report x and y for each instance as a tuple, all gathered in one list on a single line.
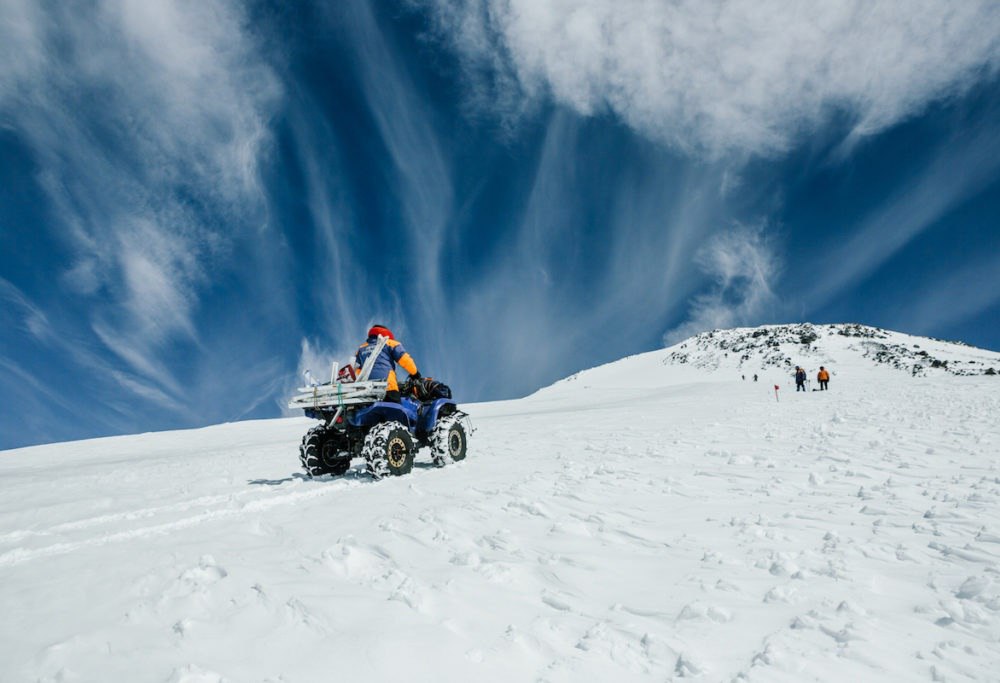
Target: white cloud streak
[(733, 76), (963, 168), (142, 117), (422, 177), (548, 279), (418, 182), (744, 269), (31, 317), (969, 291), (549, 285), (560, 290), (44, 387)]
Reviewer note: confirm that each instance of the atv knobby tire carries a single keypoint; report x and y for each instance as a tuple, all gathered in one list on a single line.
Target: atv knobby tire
[(388, 450), (448, 440), (317, 454)]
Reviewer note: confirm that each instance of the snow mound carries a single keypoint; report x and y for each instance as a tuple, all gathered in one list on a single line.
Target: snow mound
[(774, 351)]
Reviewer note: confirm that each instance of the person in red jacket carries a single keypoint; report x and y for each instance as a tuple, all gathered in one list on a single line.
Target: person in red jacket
[(384, 369)]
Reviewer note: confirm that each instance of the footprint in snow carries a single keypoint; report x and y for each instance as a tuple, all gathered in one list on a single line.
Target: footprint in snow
[(496, 572), (466, 559), (192, 673), (766, 657), (687, 667), (604, 641), (782, 566), (723, 585), (697, 611), (842, 635), (529, 507), (851, 608), (973, 587), (297, 612), (556, 602), (348, 560), (197, 579), (781, 594), (206, 573), (501, 541), (411, 594)]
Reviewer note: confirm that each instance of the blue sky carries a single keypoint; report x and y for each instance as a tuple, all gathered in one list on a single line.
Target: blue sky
[(200, 199)]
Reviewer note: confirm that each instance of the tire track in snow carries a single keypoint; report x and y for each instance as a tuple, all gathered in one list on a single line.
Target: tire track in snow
[(21, 555), (128, 516)]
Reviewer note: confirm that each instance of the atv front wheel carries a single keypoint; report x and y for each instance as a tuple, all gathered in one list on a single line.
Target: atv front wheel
[(448, 441), (389, 450)]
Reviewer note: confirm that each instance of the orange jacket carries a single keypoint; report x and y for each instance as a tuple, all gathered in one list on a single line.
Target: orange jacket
[(823, 376), (385, 365)]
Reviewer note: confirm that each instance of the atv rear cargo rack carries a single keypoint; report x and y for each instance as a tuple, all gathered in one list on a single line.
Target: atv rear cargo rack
[(339, 394)]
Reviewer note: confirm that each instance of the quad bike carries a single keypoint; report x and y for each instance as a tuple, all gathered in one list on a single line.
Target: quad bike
[(356, 422)]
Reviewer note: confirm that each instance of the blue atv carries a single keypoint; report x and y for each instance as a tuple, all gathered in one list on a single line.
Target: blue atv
[(357, 423)]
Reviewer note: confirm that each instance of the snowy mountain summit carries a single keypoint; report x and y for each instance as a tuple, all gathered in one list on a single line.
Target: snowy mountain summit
[(773, 351), (662, 517), (785, 346)]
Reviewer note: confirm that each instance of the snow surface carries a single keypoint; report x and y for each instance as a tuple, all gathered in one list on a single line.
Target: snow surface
[(656, 518)]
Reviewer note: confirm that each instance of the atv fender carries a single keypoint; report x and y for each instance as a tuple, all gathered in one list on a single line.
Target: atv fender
[(385, 411), (429, 413)]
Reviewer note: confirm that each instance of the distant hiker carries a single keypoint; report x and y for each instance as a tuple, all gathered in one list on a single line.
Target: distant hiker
[(800, 379), (743, 377), (384, 368), (755, 378), (823, 377)]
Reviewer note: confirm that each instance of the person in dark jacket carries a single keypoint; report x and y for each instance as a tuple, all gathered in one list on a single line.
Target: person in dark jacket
[(384, 369), (800, 379)]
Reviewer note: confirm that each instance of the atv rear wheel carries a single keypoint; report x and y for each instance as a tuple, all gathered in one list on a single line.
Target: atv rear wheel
[(318, 454), (389, 450), (448, 440)]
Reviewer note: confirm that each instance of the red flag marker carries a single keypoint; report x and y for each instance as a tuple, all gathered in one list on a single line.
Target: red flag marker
[(776, 387)]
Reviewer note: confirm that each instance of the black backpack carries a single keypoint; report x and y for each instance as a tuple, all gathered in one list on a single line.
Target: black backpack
[(429, 389)]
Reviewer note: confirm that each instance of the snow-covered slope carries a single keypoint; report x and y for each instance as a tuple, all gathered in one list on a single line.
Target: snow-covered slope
[(651, 519)]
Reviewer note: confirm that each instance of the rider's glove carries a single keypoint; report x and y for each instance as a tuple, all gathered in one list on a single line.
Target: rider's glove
[(415, 376)]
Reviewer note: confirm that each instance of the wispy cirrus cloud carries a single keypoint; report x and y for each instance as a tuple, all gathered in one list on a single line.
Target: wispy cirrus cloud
[(572, 265), (964, 167), (20, 311), (147, 121), (356, 290), (729, 80), (744, 269), (723, 77), (968, 291), (39, 387), (420, 174), (557, 271)]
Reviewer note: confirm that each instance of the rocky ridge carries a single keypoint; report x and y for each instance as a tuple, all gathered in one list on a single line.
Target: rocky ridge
[(785, 346)]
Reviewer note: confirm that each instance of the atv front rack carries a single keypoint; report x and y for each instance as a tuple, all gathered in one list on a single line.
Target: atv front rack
[(338, 395)]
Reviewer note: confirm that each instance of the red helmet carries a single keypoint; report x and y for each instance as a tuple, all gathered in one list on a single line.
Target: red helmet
[(380, 330)]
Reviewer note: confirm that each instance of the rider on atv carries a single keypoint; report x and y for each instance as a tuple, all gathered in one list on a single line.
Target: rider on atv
[(384, 368), (356, 420)]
